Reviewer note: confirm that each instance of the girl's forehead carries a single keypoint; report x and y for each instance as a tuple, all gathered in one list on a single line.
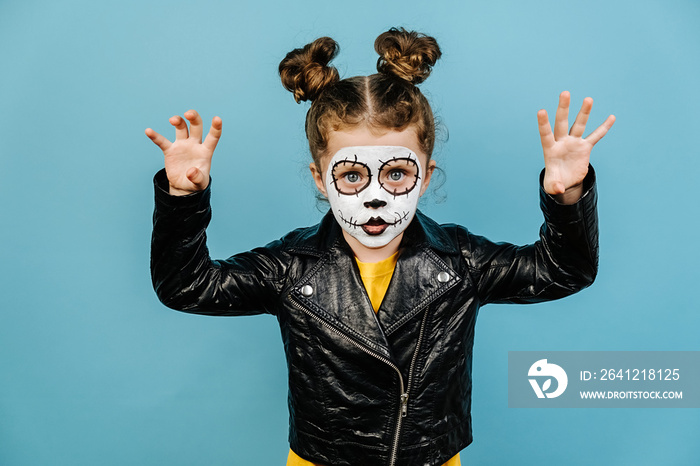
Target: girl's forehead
[(372, 154), (366, 136)]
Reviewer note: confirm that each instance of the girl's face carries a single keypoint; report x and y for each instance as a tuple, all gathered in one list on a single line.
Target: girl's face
[(373, 182)]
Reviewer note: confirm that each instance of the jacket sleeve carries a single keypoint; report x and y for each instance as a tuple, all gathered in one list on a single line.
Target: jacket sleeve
[(184, 276), (563, 261)]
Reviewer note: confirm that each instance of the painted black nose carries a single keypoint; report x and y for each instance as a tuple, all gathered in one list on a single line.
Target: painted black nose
[(375, 204)]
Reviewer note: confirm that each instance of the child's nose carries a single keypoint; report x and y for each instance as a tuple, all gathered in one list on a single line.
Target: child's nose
[(375, 204)]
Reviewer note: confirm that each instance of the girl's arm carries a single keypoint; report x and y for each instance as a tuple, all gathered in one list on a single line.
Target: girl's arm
[(184, 276), (563, 261), (565, 258)]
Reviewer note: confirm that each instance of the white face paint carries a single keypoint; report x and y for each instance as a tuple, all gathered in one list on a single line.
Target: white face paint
[(374, 191)]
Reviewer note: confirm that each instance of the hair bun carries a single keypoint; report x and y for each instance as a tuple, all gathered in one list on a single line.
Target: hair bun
[(305, 71), (408, 55)]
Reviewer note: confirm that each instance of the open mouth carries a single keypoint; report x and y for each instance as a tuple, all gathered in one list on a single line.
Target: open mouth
[(375, 226)]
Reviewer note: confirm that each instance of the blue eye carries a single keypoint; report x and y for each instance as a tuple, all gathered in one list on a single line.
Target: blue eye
[(352, 177), (396, 175)]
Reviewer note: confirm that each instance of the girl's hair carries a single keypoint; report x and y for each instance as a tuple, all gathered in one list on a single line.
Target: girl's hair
[(388, 99)]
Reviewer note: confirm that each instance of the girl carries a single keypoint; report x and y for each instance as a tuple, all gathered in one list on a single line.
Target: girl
[(377, 303)]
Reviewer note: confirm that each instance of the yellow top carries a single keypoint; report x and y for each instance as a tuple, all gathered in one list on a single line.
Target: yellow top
[(376, 277)]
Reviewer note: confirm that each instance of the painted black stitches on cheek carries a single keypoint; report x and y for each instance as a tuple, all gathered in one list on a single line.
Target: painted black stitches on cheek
[(400, 218), (350, 222)]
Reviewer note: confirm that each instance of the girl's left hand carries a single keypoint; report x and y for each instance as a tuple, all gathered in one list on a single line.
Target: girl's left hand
[(567, 154)]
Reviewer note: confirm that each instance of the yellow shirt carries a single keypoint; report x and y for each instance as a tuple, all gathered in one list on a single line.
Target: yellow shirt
[(376, 277)]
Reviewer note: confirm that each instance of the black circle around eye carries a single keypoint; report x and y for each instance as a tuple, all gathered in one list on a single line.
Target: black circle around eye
[(412, 173), (356, 166)]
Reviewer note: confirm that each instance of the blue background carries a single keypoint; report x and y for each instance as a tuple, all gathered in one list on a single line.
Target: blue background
[(94, 370)]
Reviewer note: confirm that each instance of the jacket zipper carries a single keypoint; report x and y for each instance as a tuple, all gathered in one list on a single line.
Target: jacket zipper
[(403, 398)]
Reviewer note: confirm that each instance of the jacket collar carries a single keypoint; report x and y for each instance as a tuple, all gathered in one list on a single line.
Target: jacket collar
[(335, 293)]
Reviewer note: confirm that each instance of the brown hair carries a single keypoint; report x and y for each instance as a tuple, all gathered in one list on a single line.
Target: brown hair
[(388, 99)]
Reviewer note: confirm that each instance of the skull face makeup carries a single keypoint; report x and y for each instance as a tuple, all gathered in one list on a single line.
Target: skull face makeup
[(374, 191)]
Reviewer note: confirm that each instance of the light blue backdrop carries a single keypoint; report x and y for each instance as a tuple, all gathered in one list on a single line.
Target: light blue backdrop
[(94, 370)]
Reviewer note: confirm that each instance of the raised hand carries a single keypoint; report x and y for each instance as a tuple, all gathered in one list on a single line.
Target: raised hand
[(188, 159), (567, 152)]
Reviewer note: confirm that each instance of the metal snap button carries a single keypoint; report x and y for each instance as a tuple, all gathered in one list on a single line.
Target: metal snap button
[(307, 290), (443, 277)]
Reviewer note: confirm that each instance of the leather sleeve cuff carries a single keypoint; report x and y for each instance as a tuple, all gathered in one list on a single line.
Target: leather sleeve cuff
[(168, 202), (562, 213)]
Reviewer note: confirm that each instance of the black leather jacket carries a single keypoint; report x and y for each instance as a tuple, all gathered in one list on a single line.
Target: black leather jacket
[(391, 388)]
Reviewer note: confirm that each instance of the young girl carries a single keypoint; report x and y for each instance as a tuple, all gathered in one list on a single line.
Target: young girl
[(377, 303)]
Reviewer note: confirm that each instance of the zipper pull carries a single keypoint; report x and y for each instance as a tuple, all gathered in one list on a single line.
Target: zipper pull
[(404, 404)]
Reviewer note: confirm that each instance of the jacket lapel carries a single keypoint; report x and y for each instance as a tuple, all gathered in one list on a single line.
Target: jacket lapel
[(420, 278), (333, 292)]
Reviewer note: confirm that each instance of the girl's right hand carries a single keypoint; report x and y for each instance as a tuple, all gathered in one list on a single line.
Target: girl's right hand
[(188, 159)]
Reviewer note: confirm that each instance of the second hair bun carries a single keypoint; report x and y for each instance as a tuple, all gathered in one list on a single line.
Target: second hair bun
[(408, 55)]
